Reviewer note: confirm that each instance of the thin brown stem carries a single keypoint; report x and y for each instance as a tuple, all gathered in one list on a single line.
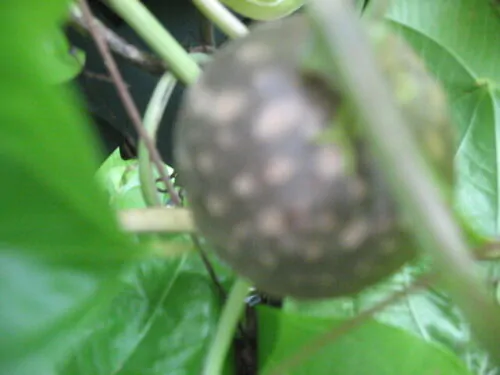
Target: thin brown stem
[(97, 76), (488, 251), (319, 342), (127, 100), (208, 266), (122, 48), (207, 34)]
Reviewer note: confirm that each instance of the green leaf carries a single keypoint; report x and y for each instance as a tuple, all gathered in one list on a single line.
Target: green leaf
[(121, 180), (61, 249), (124, 186), (348, 307), (264, 10), (112, 172), (458, 41), (161, 323), (374, 348), (163, 320), (67, 62), (429, 314)]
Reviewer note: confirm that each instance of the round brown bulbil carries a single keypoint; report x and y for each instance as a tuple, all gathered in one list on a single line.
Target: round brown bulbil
[(297, 217)]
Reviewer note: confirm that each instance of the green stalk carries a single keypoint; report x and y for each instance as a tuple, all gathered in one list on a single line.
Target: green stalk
[(222, 17), (233, 308), (152, 118), (201, 58), (157, 219), (159, 39), (354, 64)]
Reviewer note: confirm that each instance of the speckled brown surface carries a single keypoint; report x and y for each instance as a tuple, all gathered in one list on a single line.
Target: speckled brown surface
[(284, 211)]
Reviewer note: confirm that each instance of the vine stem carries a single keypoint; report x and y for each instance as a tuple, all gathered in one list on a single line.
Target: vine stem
[(125, 96), (353, 64), (222, 17), (233, 309), (152, 118), (186, 70), (159, 39), (119, 45)]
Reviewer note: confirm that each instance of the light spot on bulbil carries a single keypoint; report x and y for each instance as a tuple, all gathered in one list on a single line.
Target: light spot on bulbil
[(216, 205), (279, 170), (407, 89), (254, 52), (313, 252), (270, 221), (200, 100), (328, 162), (277, 117), (205, 162), (244, 184), (271, 81), (354, 234), (435, 146), (267, 259), (227, 106)]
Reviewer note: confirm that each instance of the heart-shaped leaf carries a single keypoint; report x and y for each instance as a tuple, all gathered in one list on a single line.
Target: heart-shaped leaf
[(373, 348), (164, 317), (458, 41), (428, 313), (162, 322)]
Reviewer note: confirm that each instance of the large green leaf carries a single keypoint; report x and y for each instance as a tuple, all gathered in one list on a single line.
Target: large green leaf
[(429, 314), (67, 62), (459, 42), (163, 320), (60, 250), (161, 323), (373, 348)]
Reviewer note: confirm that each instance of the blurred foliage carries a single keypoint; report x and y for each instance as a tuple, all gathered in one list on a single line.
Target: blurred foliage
[(80, 297)]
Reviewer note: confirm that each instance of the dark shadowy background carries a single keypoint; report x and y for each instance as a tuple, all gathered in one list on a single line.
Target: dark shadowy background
[(114, 128), (184, 22)]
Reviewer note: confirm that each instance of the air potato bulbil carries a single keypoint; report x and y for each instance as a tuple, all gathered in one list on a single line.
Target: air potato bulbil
[(287, 212)]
